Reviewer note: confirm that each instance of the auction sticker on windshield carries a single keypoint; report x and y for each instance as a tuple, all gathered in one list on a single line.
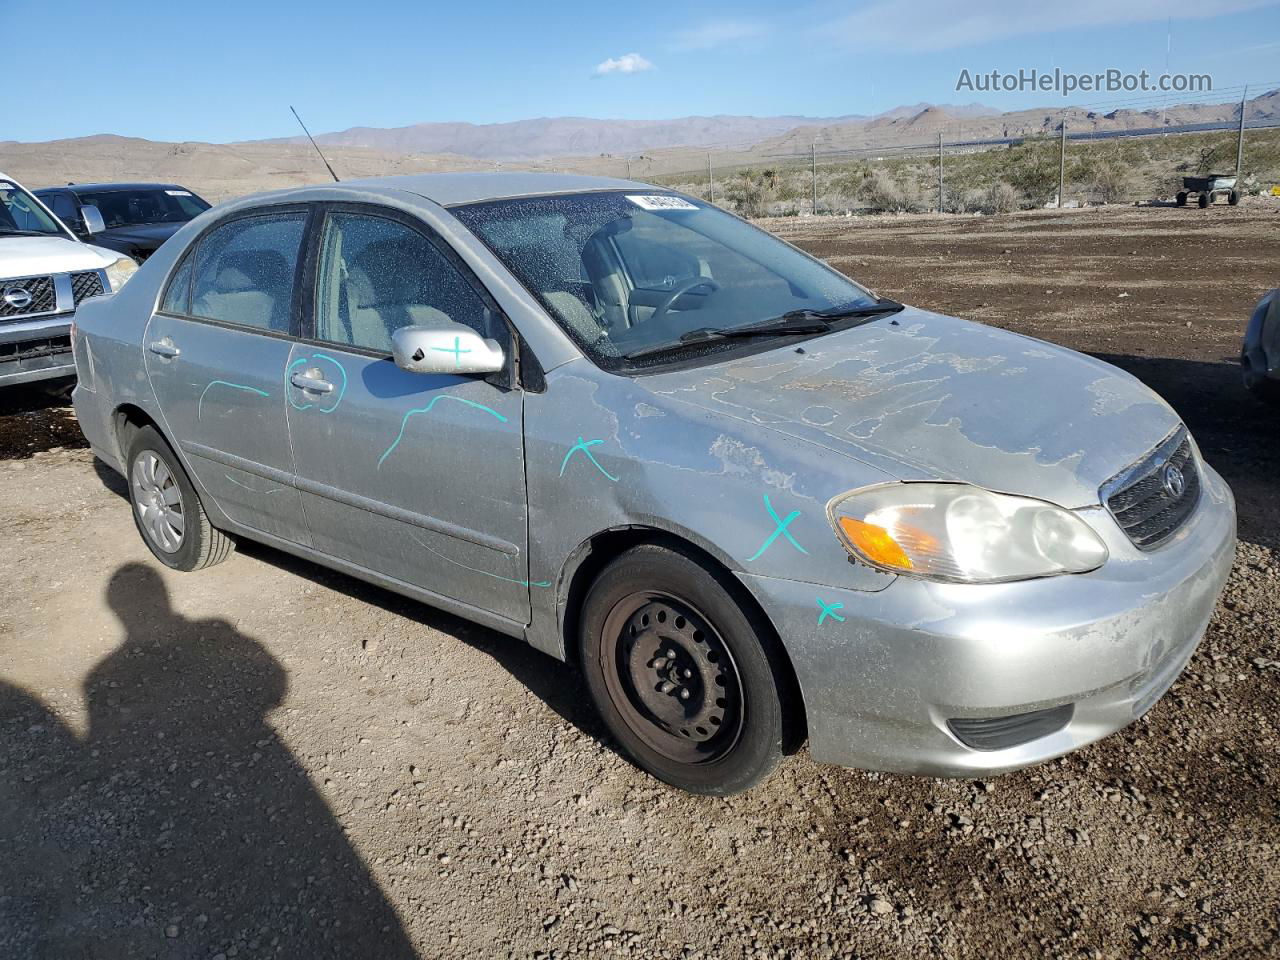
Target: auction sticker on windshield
[(660, 202)]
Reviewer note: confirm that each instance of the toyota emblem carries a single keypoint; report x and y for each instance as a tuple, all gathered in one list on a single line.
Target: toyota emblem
[(1173, 481), (17, 297)]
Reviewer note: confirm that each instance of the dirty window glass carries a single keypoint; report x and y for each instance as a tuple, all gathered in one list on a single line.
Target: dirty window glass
[(177, 297), (244, 271), (623, 271), (378, 275)]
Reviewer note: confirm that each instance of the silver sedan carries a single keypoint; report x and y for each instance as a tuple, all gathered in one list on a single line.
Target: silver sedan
[(753, 502)]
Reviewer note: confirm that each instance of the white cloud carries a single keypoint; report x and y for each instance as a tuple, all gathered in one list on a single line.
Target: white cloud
[(627, 63), (943, 24), (720, 33)]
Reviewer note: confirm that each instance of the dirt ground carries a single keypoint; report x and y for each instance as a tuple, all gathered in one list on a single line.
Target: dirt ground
[(268, 759)]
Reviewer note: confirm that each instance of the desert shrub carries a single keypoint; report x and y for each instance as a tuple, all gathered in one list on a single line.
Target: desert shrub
[(751, 193), (835, 201), (885, 194), (1112, 183), (997, 197), (1000, 197)]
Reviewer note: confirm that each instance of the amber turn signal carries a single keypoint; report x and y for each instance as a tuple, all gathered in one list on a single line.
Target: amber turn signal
[(874, 543)]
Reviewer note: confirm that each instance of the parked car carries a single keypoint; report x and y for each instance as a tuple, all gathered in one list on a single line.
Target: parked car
[(750, 499), (1260, 354), (45, 274), (133, 218)]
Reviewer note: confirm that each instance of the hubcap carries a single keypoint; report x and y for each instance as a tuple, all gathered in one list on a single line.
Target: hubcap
[(672, 678), (158, 501)]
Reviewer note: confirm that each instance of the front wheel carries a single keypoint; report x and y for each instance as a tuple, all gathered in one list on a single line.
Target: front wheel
[(1204, 200), (687, 681), (1181, 198), (1233, 197), (166, 509)]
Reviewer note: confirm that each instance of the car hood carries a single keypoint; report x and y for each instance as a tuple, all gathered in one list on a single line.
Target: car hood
[(924, 396), (145, 235), (36, 256)]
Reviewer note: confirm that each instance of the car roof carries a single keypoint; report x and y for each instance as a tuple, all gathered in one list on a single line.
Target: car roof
[(110, 187), (448, 189)]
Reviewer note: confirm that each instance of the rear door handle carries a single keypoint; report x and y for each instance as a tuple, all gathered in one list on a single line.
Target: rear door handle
[(314, 384), (164, 348)]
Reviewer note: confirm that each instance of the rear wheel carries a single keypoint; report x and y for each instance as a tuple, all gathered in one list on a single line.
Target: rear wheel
[(1204, 200), (166, 509), (1181, 199), (681, 675), (1233, 197)]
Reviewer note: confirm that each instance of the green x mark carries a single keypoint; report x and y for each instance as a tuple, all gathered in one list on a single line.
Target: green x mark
[(456, 350), (829, 610), (779, 531)]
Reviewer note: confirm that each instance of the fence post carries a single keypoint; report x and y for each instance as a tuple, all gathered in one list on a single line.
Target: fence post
[(814, 158), (1062, 163), (939, 171), (628, 168), (711, 183), (1240, 136)]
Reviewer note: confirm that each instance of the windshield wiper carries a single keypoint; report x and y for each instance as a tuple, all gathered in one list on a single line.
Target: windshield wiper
[(6, 232), (792, 322), (883, 305), (769, 328)]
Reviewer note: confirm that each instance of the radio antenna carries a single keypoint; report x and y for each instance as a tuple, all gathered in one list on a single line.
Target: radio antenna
[(314, 144)]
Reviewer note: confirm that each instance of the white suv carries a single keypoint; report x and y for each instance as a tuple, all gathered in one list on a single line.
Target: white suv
[(45, 272)]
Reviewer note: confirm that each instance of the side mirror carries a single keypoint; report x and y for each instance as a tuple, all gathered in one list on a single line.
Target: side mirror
[(451, 348), (91, 217)]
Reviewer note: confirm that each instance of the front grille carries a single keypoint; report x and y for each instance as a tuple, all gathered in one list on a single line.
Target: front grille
[(1145, 500), (1000, 733), (31, 349), (86, 285), (40, 289)]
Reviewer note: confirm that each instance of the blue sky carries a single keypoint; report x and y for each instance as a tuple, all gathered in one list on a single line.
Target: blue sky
[(223, 70)]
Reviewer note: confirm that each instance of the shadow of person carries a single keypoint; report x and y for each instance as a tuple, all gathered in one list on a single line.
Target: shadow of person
[(186, 827)]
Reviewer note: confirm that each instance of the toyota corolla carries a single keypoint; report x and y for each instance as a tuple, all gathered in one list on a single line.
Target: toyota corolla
[(754, 502)]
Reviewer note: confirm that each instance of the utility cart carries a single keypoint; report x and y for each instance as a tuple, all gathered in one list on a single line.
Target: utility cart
[(1207, 186)]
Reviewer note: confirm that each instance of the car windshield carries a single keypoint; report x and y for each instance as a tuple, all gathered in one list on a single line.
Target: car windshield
[(21, 215), (626, 273), (123, 208)]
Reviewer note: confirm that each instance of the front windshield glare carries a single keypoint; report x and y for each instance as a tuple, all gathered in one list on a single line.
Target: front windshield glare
[(21, 214), (623, 272)]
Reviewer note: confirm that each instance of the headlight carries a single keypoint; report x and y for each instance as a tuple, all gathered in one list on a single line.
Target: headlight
[(963, 534), (118, 273)]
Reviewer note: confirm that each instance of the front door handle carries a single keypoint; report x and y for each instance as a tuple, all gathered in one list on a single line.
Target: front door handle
[(314, 384), (164, 348)]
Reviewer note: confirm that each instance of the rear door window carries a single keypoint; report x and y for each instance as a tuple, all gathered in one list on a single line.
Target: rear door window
[(244, 271)]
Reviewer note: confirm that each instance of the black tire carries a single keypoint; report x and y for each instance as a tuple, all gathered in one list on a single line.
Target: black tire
[(1233, 197), (157, 494), (1204, 200), (717, 717), (1181, 199)]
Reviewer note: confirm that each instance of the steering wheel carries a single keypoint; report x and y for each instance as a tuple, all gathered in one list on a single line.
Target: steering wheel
[(678, 291)]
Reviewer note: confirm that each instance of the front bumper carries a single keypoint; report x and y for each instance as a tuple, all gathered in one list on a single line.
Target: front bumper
[(36, 350), (880, 687)]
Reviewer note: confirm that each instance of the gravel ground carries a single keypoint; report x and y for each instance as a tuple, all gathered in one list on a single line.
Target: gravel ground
[(270, 760)]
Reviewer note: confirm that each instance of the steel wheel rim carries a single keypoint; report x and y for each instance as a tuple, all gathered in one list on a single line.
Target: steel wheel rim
[(157, 501), (672, 678)]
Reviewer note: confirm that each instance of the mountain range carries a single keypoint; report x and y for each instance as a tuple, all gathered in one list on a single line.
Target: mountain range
[(586, 136)]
